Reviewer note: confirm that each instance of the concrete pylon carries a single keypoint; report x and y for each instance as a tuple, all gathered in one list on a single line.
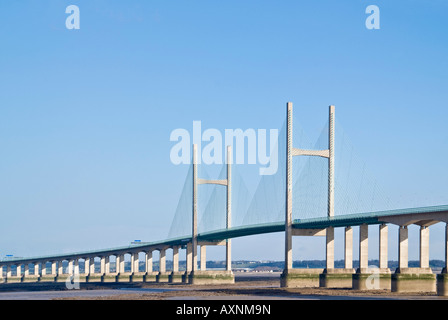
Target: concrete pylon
[(289, 277), (212, 276), (229, 209), (331, 162), (194, 239), (288, 211)]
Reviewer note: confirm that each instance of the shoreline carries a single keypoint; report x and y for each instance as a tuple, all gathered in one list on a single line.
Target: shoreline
[(256, 286)]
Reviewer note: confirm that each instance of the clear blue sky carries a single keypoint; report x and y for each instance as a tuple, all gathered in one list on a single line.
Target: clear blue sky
[(86, 115)]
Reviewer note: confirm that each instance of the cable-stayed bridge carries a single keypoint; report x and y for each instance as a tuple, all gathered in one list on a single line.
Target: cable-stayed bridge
[(317, 188)]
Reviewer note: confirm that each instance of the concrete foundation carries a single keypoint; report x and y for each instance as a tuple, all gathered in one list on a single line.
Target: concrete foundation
[(372, 279), (111, 277), (138, 277), (336, 278), (61, 277), (95, 277), (14, 279), (163, 276), (48, 278), (442, 284), (30, 278), (176, 277), (123, 277), (150, 276), (300, 278), (413, 280), (208, 277)]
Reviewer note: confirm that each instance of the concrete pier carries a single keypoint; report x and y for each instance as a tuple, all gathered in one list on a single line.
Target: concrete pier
[(330, 276), (176, 276), (407, 279), (163, 275), (300, 278), (442, 278), (210, 277)]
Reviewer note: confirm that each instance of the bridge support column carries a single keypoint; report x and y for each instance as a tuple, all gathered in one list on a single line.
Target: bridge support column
[(92, 266), (383, 249), (373, 278), (122, 275), (121, 264), (203, 258), (54, 268), (407, 279), (60, 277), (133, 269), (2, 277), (335, 277), (363, 247), (424, 247), (329, 249), (36, 269), (88, 270), (403, 247), (150, 275), (60, 268), (18, 276), (442, 278), (118, 259), (8, 273), (103, 265), (162, 276), (93, 275), (86, 266), (107, 265), (137, 276), (175, 275), (175, 259), (348, 252), (45, 276), (108, 275), (19, 271), (189, 264), (359, 279), (70, 267), (30, 276), (76, 267)]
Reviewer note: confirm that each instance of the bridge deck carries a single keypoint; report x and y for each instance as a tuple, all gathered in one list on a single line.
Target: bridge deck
[(421, 216)]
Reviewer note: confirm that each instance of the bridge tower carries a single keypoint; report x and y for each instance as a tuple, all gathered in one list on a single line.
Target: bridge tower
[(290, 275), (204, 276)]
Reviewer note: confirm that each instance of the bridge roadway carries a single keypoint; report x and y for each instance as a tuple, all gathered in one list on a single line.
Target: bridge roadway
[(423, 216), (404, 279)]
